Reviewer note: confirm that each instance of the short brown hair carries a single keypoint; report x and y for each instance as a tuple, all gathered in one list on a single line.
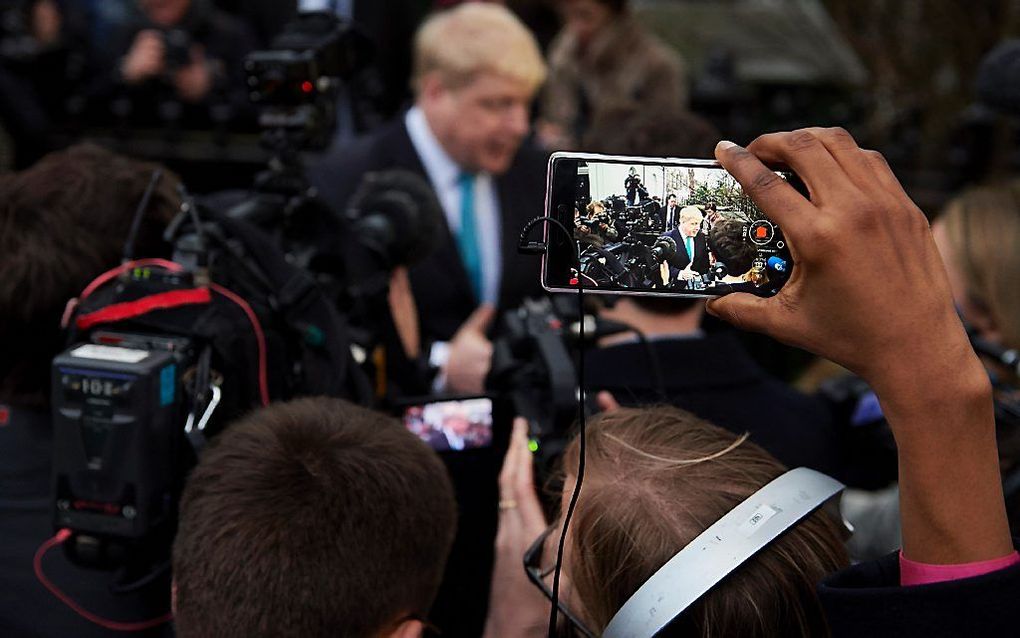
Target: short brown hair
[(62, 223), (311, 518), (656, 478), (727, 243)]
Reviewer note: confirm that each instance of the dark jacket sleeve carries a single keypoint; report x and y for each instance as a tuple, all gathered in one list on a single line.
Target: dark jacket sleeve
[(867, 600)]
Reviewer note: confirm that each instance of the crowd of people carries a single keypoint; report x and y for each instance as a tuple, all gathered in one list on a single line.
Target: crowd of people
[(315, 516), (638, 242)]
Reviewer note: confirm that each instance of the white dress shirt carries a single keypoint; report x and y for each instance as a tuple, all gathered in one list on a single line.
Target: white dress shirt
[(444, 174)]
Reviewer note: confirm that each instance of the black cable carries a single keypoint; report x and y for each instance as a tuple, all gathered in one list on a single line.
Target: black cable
[(525, 246), (136, 222), (653, 363), (192, 210), (582, 446)]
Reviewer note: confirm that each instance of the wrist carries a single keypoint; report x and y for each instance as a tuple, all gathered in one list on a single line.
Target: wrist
[(936, 371), (943, 416)]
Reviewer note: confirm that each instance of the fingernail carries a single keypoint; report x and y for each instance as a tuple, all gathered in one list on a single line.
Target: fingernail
[(724, 145)]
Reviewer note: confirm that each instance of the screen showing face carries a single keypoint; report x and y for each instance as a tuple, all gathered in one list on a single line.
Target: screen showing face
[(663, 228), (452, 425)]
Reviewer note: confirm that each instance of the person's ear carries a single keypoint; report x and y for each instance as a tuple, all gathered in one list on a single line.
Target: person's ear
[(433, 89), (410, 628)]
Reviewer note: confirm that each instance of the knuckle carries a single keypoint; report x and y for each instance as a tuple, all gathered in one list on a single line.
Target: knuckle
[(800, 140), (875, 158), (918, 220), (840, 137), (766, 140), (823, 234), (764, 180)]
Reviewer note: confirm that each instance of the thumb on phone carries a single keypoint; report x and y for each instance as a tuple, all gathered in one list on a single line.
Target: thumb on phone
[(743, 311)]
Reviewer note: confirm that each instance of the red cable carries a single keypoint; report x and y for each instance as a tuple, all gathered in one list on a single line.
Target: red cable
[(260, 338), (237, 299), (58, 539)]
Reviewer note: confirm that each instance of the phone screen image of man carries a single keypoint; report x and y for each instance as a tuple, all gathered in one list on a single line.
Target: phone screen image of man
[(452, 425), (646, 227)]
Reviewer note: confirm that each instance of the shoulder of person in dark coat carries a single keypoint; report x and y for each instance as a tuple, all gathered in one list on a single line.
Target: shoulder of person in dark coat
[(867, 600)]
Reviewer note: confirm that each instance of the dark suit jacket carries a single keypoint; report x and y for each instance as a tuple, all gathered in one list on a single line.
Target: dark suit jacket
[(665, 216), (714, 378), (866, 600), (440, 283), (444, 298), (680, 261)]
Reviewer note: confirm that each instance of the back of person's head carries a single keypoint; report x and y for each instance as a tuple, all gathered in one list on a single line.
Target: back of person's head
[(473, 38), (311, 518), (654, 480), (727, 243), (633, 129), (63, 222), (981, 230)]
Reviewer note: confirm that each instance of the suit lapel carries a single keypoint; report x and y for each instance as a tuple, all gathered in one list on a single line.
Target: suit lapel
[(445, 256)]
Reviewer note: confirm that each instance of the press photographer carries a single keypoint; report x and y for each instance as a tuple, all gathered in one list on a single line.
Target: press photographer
[(182, 58)]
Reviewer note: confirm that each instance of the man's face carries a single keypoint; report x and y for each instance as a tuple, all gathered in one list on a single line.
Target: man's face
[(585, 18), (671, 201), (690, 225), (165, 13), (480, 125), (458, 424)]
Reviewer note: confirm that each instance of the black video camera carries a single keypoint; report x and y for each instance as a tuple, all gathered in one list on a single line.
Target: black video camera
[(163, 354), (297, 81), (534, 365)]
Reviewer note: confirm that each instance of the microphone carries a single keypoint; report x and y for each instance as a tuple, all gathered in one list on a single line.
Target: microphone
[(998, 77), (777, 264), (395, 215), (664, 248)]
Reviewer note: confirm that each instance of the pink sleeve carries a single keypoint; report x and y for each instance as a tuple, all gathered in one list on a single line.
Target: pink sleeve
[(914, 573)]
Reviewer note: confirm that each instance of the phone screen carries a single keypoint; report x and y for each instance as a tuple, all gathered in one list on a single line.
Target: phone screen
[(453, 425), (660, 227)]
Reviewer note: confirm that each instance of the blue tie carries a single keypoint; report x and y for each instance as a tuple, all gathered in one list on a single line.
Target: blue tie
[(689, 242), (467, 239)]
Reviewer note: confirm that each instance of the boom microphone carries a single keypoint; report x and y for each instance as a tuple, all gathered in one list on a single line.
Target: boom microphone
[(664, 248), (396, 216), (998, 77)]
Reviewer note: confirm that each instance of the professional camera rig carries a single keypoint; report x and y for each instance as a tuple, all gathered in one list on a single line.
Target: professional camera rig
[(164, 354)]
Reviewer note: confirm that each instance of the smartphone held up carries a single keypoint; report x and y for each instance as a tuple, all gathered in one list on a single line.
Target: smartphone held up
[(658, 226)]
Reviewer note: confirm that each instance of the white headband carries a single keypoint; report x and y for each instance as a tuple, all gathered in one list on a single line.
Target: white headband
[(724, 546)]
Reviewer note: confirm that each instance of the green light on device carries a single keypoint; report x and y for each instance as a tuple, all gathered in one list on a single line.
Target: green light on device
[(533, 445)]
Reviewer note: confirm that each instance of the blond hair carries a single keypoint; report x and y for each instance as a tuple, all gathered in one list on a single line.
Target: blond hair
[(655, 479), (691, 212), (983, 228), (476, 37)]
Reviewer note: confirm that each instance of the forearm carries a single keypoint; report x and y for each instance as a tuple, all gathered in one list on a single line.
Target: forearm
[(951, 503)]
